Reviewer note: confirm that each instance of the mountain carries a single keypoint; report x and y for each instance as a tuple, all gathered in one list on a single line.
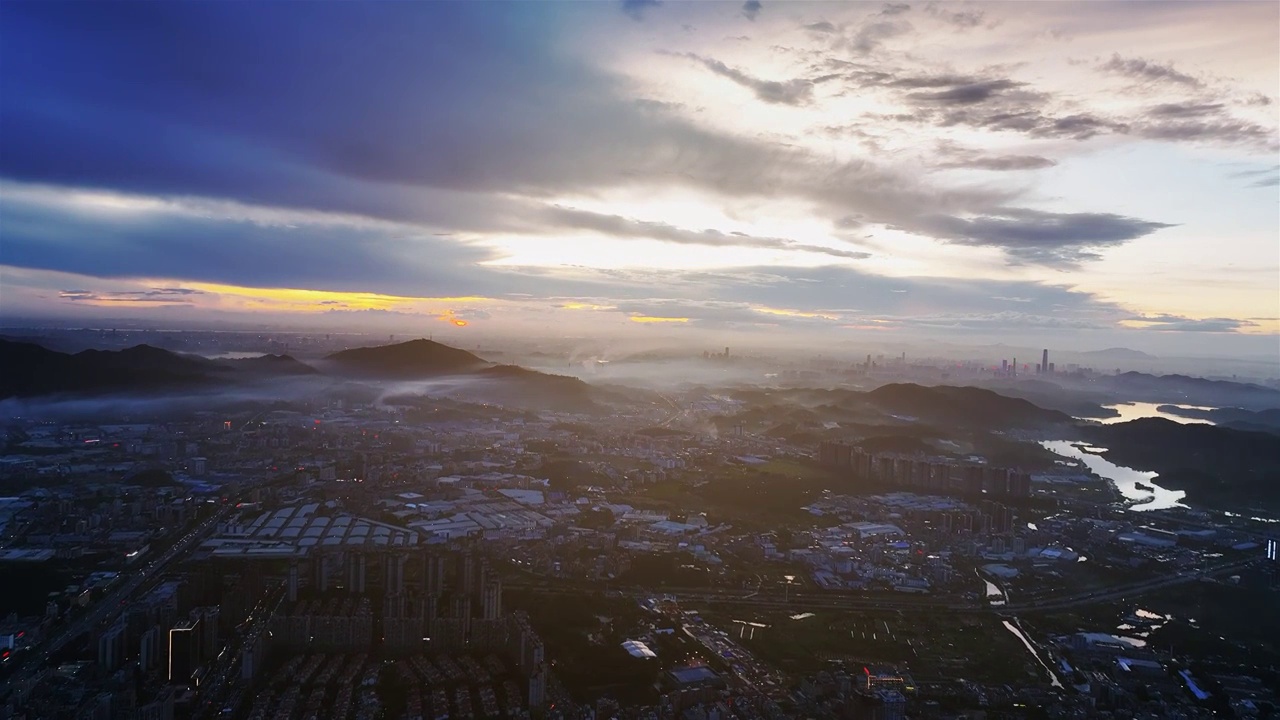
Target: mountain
[(410, 360), (1263, 420), (31, 370), (1117, 353), (1186, 390), (539, 389), (273, 365), (1217, 466), (952, 405)]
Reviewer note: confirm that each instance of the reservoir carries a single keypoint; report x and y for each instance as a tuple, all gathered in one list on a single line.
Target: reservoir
[(1135, 485), (1135, 410)]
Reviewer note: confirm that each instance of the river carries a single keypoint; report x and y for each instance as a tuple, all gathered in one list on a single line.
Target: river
[(1125, 479)]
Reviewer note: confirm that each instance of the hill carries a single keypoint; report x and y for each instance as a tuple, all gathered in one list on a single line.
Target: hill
[(271, 365), (30, 370), (1188, 390), (538, 389), (1217, 466), (962, 406), (410, 360), (1264, 420)]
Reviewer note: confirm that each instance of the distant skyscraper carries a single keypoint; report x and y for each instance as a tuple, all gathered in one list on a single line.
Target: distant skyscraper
[(1015, 368), (1044, 360)]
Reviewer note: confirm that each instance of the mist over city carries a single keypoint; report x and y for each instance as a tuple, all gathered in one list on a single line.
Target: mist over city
[(639, 359)]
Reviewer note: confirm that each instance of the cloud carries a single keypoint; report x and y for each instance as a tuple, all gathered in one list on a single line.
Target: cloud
[(1035, 237), (872, 35), (1184, 110), (750, 9), (966, 94), (895, 9), (636, 9), (468, 121), (618, 226), (960, 19), (955, 157), (790, 92), (125, 297), (1147, 70), (1178, 323), (924, 81)]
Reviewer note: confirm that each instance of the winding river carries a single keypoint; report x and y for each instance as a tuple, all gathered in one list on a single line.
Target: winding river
[(1135, 485)]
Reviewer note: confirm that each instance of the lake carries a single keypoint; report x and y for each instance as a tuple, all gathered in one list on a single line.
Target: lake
[(1125, 479)]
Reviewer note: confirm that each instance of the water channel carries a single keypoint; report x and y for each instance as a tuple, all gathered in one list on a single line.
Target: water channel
[(1035, 653)]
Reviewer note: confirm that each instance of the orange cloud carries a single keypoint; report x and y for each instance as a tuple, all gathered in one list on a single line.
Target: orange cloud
[(652, 319)]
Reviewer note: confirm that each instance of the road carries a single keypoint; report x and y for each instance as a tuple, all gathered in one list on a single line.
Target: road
[(837, 600), (109, 606)]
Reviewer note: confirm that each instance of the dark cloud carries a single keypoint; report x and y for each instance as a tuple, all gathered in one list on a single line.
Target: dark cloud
[(967, 94), (953, 156), (189, 101), (1178, 323), (1183, 110), (238, 252), (1043, 238), (1016, 118), (751, 8), (1147, 70), (822, 27), (895, 9), (125, 297), (1004, 105), (621, 227), (636, 9), (1207, 126), (924, 81), (789, 92)]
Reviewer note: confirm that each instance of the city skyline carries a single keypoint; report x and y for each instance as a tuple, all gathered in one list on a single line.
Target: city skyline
[(882, 172)]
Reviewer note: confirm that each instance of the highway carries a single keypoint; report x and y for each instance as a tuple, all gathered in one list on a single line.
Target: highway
[(108, 607)]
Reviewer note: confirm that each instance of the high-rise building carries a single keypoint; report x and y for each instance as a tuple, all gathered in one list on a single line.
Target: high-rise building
[(492, 600), (1044, 360), (111, 647), (434, 572), (184, 651)]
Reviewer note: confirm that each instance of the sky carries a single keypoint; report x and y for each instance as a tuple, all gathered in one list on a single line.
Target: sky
[(1085, 174)]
